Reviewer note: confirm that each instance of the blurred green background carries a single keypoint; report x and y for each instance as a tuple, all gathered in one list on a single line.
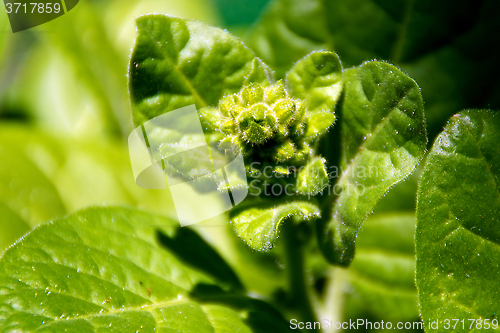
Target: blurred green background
[(65, 112), (65, 116)]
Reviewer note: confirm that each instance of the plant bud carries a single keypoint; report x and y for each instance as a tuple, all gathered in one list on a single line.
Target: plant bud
[(252, 94), (275, 92)]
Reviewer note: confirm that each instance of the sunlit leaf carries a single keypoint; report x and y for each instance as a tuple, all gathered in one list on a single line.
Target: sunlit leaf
[(458, 216), (317, 78), (313, 178), (104, 269), (259, 226), (383, 139), (179, 62)]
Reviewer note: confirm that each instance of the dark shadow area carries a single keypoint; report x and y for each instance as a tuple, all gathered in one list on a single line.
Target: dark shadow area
[(188, 246)]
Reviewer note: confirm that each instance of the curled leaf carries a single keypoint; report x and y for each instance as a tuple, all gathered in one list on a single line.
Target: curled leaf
[(318, 123), (317, 78), (259, 226)]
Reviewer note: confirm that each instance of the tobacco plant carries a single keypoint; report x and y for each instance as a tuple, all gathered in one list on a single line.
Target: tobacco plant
[(322, 144)]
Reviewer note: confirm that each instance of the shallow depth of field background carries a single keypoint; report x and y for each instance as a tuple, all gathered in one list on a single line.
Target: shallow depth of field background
[(65, 112), (65, 117)]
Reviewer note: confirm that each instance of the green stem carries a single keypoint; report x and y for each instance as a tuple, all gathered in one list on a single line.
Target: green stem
[(397, 52), (334, 297), (299, 291)]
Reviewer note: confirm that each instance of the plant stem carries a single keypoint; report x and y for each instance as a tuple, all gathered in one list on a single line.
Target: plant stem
[(334, 297), (299, 291)]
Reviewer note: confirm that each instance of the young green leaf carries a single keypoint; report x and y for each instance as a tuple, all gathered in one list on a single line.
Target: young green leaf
[(383, 139), (318, 123), (259, 226), (313, 178), (458, 210), (179, 62), (317, 78), (104, 269)]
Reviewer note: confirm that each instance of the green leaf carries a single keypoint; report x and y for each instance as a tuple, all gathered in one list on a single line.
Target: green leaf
[(455, 64), (211, 119), (288, 31), (383, 139), (382, 274), (103, 269), (318, 123), (317, 78), (458, 234), (313, 178), (259, 226), (179, 62)]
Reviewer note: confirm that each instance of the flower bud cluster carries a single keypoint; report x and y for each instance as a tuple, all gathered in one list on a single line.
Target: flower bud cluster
[(264, 123)]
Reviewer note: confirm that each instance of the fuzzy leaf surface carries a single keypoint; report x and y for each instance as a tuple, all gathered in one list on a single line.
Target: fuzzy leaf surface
[(317, 78), (178, 62), (259, 226), (458, 216), (383, 139), (104, 270)]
